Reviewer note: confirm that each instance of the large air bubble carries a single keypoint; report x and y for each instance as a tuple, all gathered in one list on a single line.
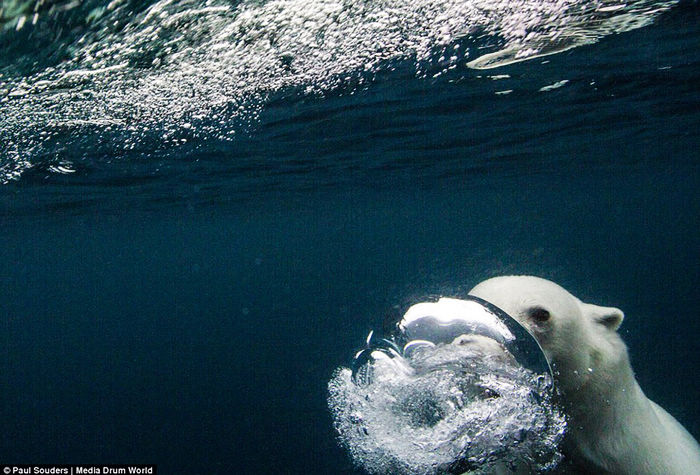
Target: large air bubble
[(459, 387)]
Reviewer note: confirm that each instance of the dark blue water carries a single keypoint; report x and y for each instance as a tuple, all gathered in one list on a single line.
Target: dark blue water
[(179, 286)]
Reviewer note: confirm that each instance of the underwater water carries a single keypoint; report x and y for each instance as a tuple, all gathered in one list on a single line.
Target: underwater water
[(205, 206)]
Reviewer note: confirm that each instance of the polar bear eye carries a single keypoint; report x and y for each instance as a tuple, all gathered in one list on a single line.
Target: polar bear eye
[(539, 314)]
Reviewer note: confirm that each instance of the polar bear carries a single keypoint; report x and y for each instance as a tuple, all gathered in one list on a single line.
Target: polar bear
[(612, 426)]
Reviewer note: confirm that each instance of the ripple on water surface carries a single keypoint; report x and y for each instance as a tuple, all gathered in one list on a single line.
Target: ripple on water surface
[(137, 78)]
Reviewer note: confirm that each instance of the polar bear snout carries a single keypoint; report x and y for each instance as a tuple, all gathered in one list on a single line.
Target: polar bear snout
[(484, 346)]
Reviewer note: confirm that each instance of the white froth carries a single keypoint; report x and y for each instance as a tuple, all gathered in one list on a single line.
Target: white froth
[(455, 412)]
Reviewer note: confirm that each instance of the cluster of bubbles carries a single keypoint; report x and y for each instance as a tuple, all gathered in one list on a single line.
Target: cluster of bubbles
[(427, 401), (137, 75)]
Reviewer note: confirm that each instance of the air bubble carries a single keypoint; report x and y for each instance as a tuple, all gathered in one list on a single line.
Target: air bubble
[(473, 393)]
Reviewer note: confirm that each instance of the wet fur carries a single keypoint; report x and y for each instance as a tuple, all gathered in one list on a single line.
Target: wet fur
[(612, 426)]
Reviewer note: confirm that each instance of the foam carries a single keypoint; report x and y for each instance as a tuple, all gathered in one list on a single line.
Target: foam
[(453, 410)]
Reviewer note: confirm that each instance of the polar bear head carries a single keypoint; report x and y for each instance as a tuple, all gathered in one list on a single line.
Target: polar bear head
[(579, 339)]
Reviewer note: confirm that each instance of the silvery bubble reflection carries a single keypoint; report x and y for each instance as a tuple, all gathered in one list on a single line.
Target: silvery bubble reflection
[(138, 77), (459, 387)]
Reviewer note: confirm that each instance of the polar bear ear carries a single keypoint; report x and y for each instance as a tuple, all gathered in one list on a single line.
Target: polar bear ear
[(609, 317)]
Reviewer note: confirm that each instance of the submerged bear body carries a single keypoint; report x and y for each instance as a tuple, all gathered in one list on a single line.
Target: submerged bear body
[(612, 426)]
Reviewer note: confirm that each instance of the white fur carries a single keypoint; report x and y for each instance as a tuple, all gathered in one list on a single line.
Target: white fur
[(612, 426)]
